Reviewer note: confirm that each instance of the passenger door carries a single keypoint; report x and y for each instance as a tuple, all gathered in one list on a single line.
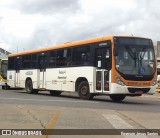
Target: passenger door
[(42, 63), (18, 64), (103, 64)]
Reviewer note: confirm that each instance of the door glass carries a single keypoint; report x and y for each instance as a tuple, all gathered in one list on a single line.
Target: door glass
[(106, 81), (98, 80), (103, 64), (102, 58), (42, 63)]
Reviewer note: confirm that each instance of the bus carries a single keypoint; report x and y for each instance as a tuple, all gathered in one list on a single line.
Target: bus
[(117, 66), (3, 73), (158, 74)]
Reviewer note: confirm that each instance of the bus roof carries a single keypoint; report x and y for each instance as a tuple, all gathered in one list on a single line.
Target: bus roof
[(65, 45), (4, 59)]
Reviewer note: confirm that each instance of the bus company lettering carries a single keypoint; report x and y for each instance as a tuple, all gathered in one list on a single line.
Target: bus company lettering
[(134, 83), (62, 72), (103, 44), (29, 73), (62, 77)]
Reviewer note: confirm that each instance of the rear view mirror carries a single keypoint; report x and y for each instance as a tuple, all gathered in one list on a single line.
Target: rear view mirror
[(99, 64)]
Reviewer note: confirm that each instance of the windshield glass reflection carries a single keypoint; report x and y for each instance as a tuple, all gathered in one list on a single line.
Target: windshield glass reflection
[(135, 60)]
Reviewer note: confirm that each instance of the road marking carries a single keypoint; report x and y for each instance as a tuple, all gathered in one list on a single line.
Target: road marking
[(53, 121), (74, 101), (119, 123)]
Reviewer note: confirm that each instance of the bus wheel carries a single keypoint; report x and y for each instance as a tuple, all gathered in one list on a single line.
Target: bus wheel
[(55, 93), (83, 91), (117, 97), (29, 87), (5, 87)]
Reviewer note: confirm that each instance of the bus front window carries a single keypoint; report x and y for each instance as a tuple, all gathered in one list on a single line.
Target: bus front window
[(135, 60)]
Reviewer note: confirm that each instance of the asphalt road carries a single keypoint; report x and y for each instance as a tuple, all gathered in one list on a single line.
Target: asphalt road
[(148, 104), (43, 111)]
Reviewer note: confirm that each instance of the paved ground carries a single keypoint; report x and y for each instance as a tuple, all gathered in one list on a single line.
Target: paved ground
[(24, 111)]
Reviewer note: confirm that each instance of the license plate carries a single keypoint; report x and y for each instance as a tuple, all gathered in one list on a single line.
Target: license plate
[(139, 92)]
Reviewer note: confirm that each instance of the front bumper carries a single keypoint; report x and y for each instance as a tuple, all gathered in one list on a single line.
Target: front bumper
[(119, 89)]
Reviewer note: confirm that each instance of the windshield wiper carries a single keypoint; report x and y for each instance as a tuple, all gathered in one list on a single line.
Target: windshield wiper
[(141, 55), (132, 54)]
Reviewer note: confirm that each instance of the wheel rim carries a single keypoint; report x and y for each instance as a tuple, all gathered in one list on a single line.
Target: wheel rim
[(84, 90), (29, 87)]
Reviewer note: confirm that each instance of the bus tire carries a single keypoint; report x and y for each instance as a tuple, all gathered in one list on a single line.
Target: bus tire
[(29, 87), (84, 92), (117, 97), (55, 93), (5, 87)]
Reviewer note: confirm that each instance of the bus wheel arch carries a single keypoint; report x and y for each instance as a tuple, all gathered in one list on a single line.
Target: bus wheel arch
[(82, 86), (29, 86), (78, 81)]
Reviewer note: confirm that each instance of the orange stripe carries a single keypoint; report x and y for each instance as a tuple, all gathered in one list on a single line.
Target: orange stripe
[(68, 44)]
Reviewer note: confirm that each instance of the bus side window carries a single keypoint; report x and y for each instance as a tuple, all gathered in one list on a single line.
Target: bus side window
[(52, 59), (63, 57), (18, 63), (68, 57), (60, 61), (26, 64), (34, 61), (81, 55), (11, 63)]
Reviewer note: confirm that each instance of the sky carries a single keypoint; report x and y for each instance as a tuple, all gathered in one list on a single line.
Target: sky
[(31, 24)]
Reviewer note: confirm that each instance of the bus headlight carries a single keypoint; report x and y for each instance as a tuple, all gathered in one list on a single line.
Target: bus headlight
[(119, 81), (154, 83)]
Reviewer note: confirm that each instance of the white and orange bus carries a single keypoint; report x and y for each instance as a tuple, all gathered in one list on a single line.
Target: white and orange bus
[(158, 74), (117, 66)]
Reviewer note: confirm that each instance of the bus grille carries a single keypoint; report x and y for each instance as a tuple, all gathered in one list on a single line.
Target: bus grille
[(136, 90)]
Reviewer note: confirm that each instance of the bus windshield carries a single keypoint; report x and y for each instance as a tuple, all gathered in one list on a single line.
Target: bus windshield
[(4, 65), (135, 59)]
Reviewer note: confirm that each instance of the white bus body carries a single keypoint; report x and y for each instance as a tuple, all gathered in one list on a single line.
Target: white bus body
[(103, 69)]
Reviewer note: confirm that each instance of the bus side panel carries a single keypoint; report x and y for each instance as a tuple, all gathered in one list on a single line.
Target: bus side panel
[(52, 82), (65, 78), (32, 74), (11, 78), (35, 78), (22, 79)]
